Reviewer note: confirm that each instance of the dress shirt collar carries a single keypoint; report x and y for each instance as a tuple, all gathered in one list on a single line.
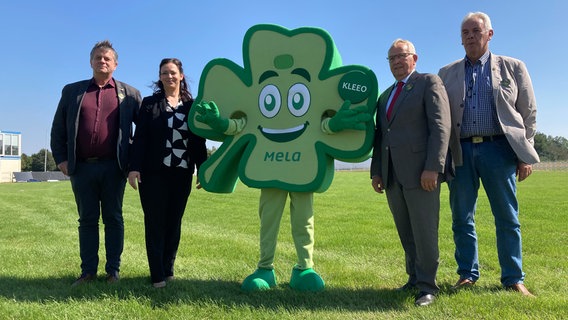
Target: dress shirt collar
[(482, 60), (405, 80)]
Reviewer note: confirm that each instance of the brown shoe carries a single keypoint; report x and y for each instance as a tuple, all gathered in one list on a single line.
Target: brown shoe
[(463, 283), (519, 287), (84, 278), (112, 278)]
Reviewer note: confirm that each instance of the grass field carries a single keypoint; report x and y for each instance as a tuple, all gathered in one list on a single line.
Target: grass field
[(357, 253)]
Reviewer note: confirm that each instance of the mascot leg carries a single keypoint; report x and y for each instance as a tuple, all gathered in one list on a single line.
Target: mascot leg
[(271, 206), (303, 278)]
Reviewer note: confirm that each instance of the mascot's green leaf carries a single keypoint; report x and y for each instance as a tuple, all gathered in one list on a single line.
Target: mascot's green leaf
[(291, 80)]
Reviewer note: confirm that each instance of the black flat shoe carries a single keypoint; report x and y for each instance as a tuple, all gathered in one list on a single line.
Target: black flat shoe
[(407, 287)]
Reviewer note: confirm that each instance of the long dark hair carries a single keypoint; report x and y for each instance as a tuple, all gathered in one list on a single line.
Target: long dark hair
[(184, 89)]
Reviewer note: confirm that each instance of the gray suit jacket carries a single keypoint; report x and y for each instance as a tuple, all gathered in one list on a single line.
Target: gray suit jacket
[(514, 100), (416, 137)]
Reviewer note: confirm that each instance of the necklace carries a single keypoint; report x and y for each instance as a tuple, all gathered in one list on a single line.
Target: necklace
[(173, 101)]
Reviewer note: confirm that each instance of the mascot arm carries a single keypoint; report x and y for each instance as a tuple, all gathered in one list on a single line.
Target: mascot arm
[(236, 126)]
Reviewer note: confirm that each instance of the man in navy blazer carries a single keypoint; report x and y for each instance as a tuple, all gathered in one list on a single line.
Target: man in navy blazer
[(90, 140), (493, 127), (409, 156)]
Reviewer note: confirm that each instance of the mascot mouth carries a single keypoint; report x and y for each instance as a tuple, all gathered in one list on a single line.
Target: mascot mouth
[(283, 135)]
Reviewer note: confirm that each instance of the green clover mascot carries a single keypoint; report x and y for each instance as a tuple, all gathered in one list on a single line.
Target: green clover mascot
[(282, 119)]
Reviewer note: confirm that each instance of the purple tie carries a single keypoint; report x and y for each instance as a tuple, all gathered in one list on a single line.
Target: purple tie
[(396, 94)]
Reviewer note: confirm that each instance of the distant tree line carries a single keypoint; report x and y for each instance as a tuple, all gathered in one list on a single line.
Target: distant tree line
[(36, 162), (549, 148)]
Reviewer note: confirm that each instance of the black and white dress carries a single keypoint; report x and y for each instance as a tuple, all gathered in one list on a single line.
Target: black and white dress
[(176, 143)]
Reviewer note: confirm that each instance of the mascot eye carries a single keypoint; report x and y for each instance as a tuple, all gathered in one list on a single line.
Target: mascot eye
[(269, 101), (298, 99)]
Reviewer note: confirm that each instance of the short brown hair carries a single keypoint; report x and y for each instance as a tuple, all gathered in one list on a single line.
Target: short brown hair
[(105, 44)]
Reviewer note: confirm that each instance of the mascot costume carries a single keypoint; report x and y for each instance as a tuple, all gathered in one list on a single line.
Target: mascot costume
[(282, 119)]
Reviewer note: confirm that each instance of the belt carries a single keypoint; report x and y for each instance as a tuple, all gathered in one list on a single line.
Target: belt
[(96, 159), (480, 139)]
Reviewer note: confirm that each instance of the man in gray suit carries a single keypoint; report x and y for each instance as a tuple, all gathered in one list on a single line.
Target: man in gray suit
[(90, 140), (493, 127), (411, 140)]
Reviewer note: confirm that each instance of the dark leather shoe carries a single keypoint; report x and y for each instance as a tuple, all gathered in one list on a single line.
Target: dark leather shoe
[(424, 299), (519, 287), (112, 277), (84, 278), (463, 283), (407, 287)]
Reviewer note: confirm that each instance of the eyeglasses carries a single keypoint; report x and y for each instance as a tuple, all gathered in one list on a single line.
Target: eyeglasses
[(469, 90), (399, 56), (471, 85)]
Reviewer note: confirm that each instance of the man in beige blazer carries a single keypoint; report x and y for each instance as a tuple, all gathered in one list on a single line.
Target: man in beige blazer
[(493, 126), (411, 141)]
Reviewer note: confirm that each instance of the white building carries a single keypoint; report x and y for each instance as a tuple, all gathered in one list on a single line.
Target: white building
[(10, 154)]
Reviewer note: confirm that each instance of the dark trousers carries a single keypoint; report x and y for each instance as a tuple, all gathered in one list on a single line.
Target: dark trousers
[(99, 190), (416, 214), (163, 195)]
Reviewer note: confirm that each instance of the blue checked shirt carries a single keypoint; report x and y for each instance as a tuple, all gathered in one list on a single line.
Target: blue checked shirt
[(480, 113)]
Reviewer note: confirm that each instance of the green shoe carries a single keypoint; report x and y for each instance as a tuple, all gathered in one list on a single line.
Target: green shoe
[(306, 280), (260, 280)]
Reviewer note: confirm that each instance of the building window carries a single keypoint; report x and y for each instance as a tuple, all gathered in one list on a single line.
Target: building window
[(15, 144), (9, 144)]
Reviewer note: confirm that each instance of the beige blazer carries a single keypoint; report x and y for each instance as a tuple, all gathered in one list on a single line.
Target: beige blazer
[(514, 99)]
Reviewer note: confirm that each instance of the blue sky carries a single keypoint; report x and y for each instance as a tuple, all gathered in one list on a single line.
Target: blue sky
[(46, 44)]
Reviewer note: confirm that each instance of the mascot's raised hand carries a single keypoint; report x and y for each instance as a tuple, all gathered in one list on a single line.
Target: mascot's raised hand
[(208, 113), (347, 118)]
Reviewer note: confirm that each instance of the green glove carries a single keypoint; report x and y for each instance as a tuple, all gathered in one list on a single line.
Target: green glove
[(208, 113), (347, 118)]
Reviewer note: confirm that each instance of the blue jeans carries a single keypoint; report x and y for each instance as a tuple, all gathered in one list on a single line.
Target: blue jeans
[(494, 163), (99, 189)]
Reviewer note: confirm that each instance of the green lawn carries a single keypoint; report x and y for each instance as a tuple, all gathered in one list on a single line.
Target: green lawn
[(357, 253)]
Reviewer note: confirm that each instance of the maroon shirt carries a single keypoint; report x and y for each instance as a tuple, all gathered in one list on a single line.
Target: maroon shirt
[(98, 122)]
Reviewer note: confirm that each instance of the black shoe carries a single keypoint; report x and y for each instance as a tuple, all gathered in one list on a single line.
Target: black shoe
[(112, 277), (407, 287), (84, 278), (424, 299)]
